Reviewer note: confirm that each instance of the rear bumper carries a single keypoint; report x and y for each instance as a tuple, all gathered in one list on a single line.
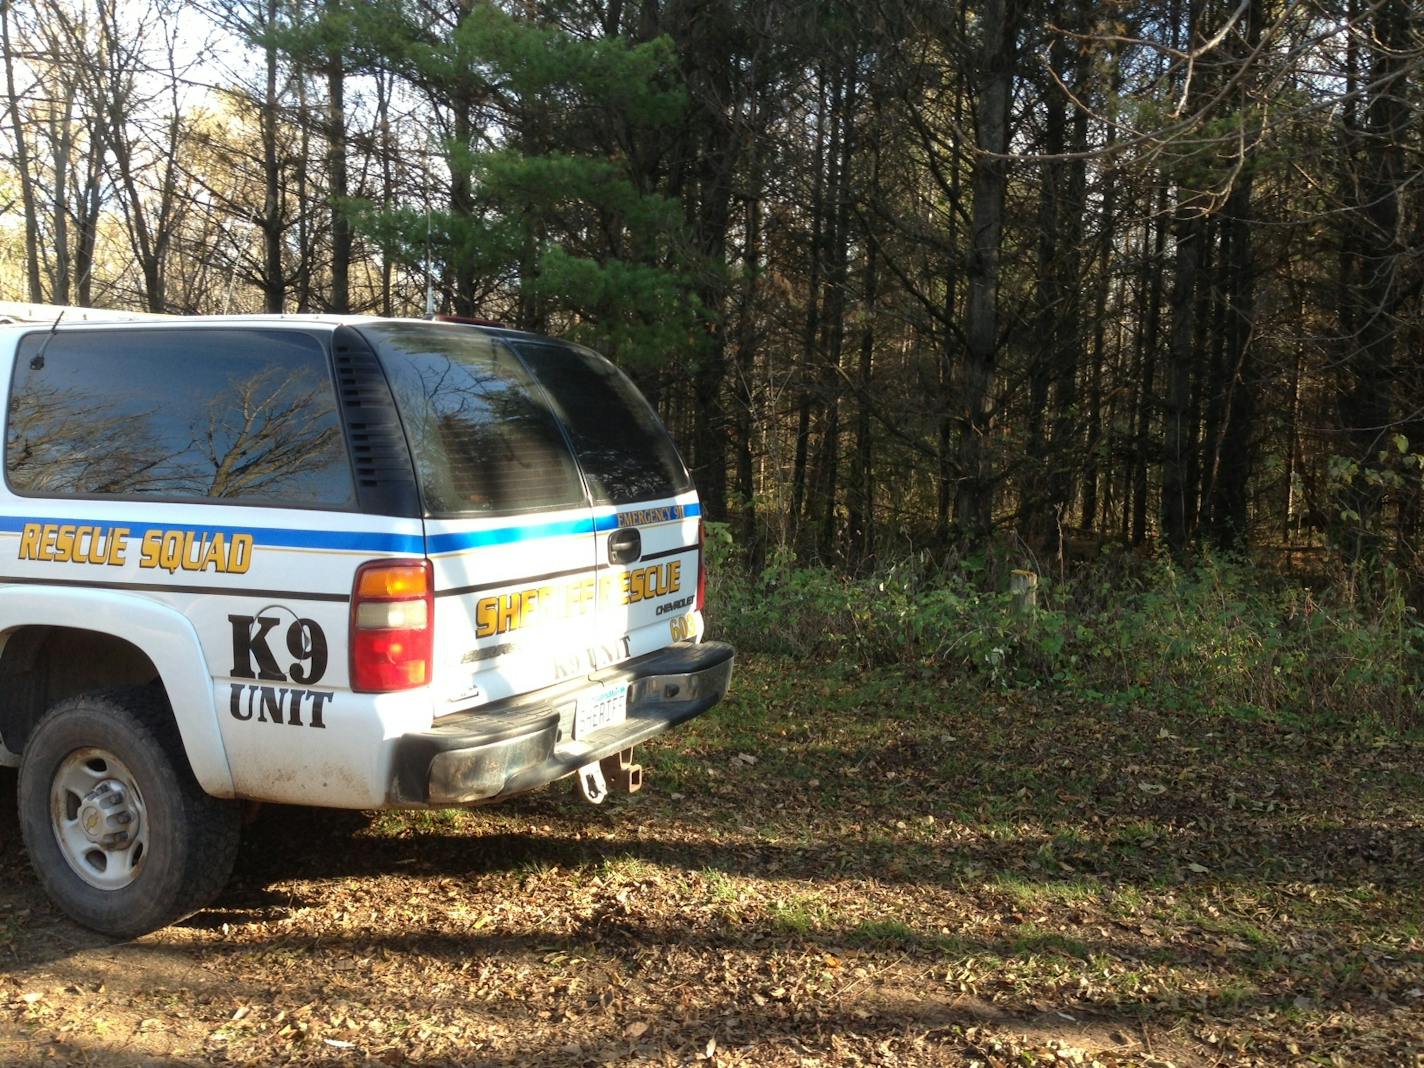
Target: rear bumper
[(512, 747)]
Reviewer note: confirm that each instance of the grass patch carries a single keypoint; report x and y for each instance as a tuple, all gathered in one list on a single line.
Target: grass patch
[(1030, 940), (1029, 892), (800, 915), (420, 822), (627, 866)]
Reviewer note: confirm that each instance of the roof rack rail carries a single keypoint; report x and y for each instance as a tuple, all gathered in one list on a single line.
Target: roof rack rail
[(17, 312), (471, 320)]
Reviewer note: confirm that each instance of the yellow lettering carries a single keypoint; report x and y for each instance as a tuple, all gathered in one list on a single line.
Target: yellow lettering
[(216, 554), (148, 554), (170, 551), (192, 561), (68, 543), (47, 542), (30, 541), (239, 557), (508, 613), (64, 544), (117, 542), (486, 623)]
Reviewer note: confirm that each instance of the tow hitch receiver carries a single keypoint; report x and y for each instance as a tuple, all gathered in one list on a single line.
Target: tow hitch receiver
[(617, 771), (620, 770)]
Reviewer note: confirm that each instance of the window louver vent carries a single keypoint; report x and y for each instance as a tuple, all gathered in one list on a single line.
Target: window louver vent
[(385, 479)]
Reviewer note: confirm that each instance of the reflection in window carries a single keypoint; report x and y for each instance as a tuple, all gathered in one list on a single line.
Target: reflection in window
[(214, 414), (482, 437), (625, 453)]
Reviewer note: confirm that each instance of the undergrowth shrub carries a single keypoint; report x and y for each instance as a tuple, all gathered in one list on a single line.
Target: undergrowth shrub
[(1219, 636)]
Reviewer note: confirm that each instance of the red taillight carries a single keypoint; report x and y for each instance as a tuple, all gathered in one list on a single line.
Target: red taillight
[(392, 626), (701, 567)]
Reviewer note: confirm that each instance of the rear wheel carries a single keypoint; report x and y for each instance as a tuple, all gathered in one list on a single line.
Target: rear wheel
[(119, 832)]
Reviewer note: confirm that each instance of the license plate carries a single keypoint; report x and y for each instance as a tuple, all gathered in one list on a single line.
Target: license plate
[(601, 708)]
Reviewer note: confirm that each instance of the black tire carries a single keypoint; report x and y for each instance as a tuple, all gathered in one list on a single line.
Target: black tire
[(190, 839)]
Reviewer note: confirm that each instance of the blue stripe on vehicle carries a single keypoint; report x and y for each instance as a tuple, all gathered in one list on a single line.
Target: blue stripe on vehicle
[(269, 537), (357, 540), (479, 539)]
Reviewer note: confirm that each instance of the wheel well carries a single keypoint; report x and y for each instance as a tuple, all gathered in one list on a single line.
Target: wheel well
[(42, 665)]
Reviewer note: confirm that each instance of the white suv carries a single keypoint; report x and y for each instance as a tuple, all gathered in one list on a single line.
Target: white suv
[(348, 562)]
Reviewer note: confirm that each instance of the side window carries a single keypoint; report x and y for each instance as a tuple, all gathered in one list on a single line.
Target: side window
[(236, 415)]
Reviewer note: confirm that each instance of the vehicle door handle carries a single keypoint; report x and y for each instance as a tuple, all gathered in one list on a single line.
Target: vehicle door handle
[(625, 546)]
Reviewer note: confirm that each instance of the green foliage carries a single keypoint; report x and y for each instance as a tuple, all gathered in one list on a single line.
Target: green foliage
[(902, 616), (534, 61), (645, 312), (1219, 637), (558, 204)]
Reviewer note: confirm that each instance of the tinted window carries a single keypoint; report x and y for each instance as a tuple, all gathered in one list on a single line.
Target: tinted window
[(246, 416), (626, 454), (482, 436)]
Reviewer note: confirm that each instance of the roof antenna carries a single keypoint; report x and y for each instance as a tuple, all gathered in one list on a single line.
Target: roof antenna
[(37, 363)]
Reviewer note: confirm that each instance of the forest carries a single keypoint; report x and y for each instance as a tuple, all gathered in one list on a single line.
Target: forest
[(902, 276), (1050, 373)]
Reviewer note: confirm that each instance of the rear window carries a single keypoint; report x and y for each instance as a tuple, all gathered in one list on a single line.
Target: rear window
[(625, 453), (482, 438), (235, 415)]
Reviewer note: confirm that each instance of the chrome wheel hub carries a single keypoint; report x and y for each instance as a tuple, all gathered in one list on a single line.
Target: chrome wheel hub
[(97, 813)]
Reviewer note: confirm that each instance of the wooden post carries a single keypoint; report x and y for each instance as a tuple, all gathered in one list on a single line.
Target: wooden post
[(1023, 585)]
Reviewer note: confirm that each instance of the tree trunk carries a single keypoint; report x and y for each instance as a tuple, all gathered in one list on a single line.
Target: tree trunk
[(1189, 227), (461, 279), (62, 146), (713, 220), (274, 285), (974, 506), (22, 162), (383, 113), (948, 351), (1048, 297), (811, 330), (1230, 509), (744, 390), (860, 518), (833, 319), (340, 301), (1372, 286), (1068, 353), (1142, 445)]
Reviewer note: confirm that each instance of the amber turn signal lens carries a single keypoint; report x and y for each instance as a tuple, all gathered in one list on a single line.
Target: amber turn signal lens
[(393, 580)]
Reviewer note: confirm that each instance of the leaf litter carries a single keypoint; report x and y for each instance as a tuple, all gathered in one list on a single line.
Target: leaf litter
[(811, 877)]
